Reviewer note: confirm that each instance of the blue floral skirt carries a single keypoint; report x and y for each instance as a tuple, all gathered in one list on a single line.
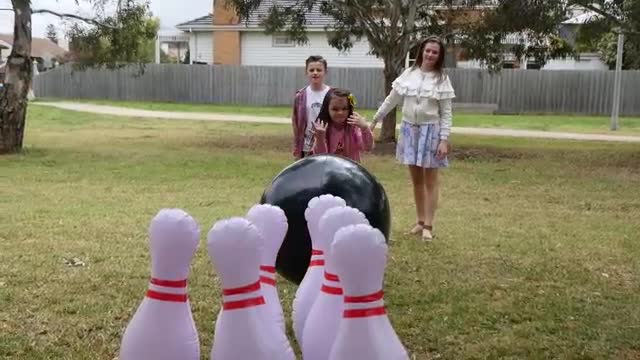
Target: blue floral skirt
[(418, 145)]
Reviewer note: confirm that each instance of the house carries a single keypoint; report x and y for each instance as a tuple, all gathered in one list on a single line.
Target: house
[(569, 30), (44, 51), (5, 48), (220, 38)]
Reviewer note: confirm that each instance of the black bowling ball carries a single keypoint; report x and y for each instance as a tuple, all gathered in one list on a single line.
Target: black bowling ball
[(297, 184)]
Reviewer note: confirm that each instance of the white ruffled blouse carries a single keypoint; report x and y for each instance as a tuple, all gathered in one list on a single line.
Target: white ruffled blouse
[(427, 99)]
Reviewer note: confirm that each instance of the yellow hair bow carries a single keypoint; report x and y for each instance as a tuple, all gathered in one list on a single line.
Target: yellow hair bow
[(352, 100)]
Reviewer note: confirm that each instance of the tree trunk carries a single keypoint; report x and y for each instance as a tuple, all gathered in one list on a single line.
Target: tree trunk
[(388, 131), (13, 96)]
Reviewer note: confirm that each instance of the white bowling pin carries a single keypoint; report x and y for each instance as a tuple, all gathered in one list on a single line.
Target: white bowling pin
[(326, 312), (365, 332), (163, 327), (309, 288), (271, 221), (244, 328)]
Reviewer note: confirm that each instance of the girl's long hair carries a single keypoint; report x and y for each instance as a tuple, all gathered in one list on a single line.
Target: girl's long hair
[(324, 114), (439, 65), (350, 138)]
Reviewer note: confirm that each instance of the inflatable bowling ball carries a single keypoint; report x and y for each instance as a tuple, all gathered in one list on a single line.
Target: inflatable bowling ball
[(296, 185)]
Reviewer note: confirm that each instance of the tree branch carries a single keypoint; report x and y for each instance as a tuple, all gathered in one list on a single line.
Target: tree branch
[(62, 15), (604, 13)]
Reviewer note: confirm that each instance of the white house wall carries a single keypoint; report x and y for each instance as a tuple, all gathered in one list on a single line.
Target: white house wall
[(257, 49), (586, 62), (201, 46)]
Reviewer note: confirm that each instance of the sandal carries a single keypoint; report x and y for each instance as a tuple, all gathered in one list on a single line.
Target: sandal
[(427, 233), (416, 229)]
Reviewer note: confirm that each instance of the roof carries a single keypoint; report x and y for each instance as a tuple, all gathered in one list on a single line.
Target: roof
[(40, 47), (582, 19), (202, 21), (4, 45), (313, 17)]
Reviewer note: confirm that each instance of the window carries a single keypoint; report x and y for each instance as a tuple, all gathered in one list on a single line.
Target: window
[(282, 41), (409, 61)]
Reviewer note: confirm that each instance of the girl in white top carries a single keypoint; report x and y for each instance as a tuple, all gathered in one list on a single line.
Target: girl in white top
[(423, 144)]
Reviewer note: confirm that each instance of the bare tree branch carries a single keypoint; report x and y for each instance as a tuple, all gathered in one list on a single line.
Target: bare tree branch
[(373, 31), (63, 15), (118, 11), (410, 27)]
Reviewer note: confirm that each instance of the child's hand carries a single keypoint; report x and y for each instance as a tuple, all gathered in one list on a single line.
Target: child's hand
[(319, 128), (443, 150), (373, 125), (357, 120)]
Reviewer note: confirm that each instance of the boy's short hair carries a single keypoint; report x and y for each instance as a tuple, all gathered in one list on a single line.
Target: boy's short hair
[(316, 58)]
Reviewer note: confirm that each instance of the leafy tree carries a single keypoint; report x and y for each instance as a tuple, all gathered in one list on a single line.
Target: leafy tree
[(600, 34), (536, 24), (52, 34), (125, 32)]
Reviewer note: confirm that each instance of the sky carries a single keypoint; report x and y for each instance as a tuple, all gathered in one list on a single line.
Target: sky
[(170, 12)]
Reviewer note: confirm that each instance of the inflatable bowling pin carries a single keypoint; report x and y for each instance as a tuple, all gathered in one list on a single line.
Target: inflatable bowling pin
[(324, 317), (271, 221), (365, 332), (244, 328), (163, 327), (309, 288)]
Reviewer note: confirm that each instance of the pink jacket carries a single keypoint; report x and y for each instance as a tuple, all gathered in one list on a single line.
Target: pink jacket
[(355, 141), (299, 121)]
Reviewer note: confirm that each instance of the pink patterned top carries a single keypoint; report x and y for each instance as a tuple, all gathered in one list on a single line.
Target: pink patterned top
[(346, 140)]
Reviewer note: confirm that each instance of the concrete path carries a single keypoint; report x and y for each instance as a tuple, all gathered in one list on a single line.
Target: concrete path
[(130, 112)]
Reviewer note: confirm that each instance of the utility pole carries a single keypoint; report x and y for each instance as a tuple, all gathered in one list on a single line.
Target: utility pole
[(617, 84)]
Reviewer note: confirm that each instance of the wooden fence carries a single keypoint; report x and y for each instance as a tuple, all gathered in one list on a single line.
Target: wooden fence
[(510, 91)]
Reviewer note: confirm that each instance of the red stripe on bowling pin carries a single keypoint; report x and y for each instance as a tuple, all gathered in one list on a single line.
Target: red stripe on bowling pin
[(331, 290), (242, 290), (365, 298), (269, 278), (165, 296), (331, 277), (364, 312), (245, 303), (316, 263), (269, 269), (319, 261)]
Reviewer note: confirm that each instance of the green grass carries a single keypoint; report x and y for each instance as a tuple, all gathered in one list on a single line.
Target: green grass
[(563, 123), (536, 256)]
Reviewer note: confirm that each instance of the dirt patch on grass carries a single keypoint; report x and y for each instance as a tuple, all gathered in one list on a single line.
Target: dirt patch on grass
[(625, 159), (484, 154), (247, 142), (628, 354)]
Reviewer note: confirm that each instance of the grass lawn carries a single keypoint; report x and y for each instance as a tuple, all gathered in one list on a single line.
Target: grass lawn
[(536, 257), (565, 123)]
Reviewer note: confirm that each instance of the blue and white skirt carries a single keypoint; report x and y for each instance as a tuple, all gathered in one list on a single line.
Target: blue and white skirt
[(418, 145)]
